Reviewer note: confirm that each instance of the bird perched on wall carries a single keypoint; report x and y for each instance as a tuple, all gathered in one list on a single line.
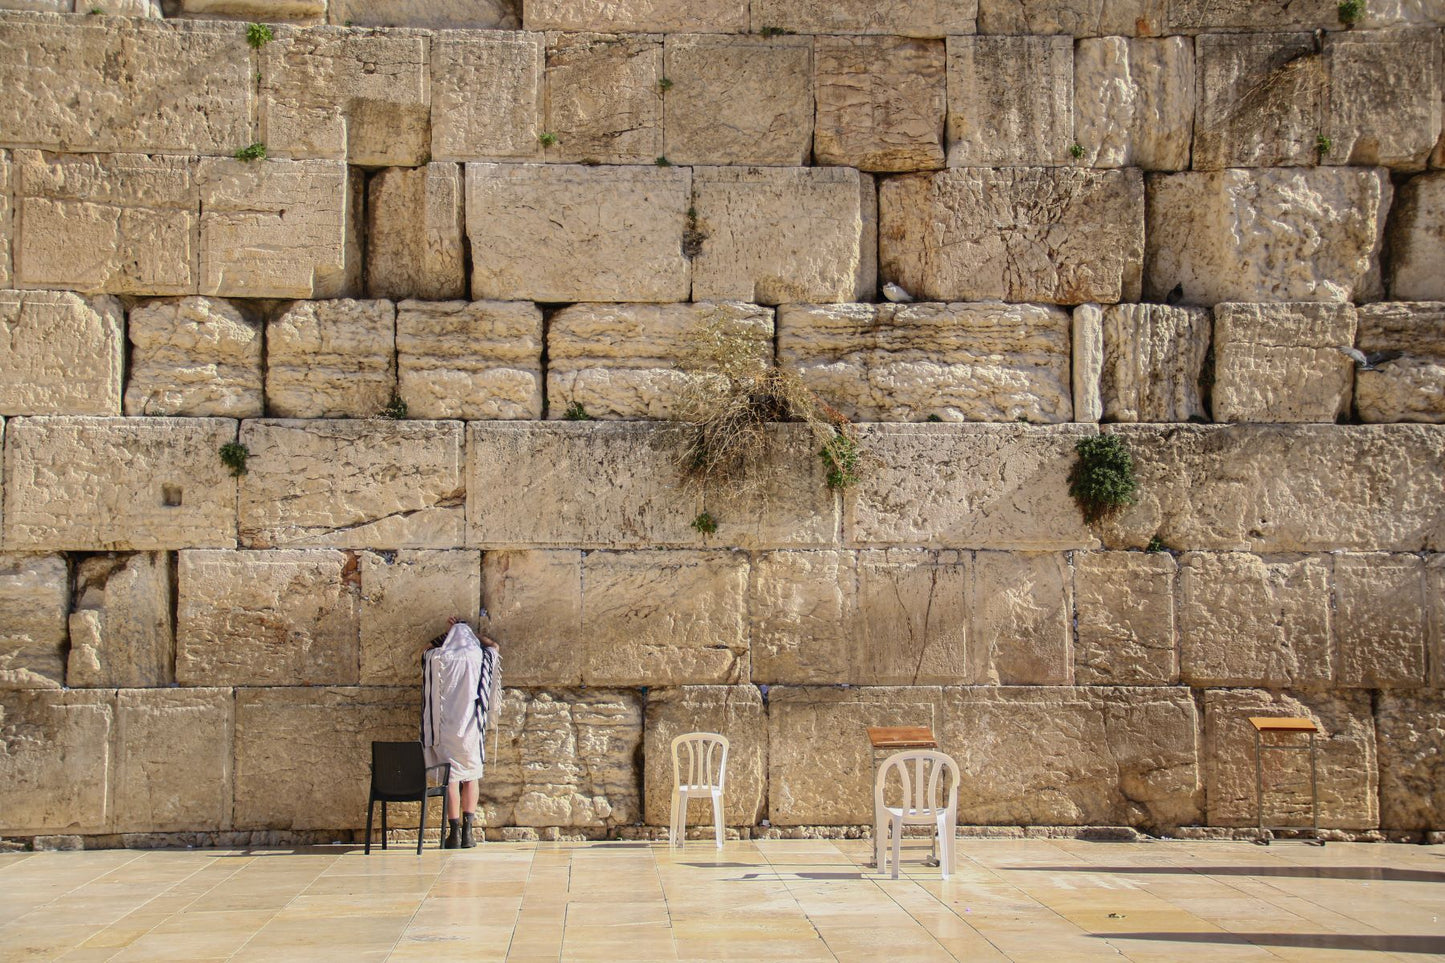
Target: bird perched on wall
[(896, 294), (1175, 295), (1371, 361)]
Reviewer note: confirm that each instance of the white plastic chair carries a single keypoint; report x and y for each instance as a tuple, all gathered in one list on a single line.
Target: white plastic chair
[(699, 768), (921, 804)]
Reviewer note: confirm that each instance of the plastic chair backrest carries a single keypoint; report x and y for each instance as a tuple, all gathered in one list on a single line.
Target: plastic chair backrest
[(920, 790), (706, 754), (398, 769)]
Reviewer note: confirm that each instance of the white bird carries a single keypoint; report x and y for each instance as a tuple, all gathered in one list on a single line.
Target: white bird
[(896, 294), (1371, 361)]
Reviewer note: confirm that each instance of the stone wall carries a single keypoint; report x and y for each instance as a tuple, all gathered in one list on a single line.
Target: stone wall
[(1212, 230)]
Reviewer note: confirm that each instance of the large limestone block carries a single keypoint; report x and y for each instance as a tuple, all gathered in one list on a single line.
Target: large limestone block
[(406, 599), (353, 484), (1348, 777), (784, 234), (911, 362), (638, 16), (274, 228), (1075, 18), (1435, 599), (738, 100), (194, 356), (1126, 622), (1382, 622), (271, 10), (266, 618), (1055, 235), (1074, 756), (303, 755), (1266, 235), (665, 618), (1282, 362), (117, 484), (603, 485), (1022, 613), (331, 359), (534, 599), (736, 711), (121, 629), (173, 751), (477, 360), (1384, 104), (34, 600), (1261, 100), (184, 88), (565, 758), (414, 233), (55, 761), (789, 506), (535, 230), (1411, 385), (968, 486), (820, 768), (435, 14), (486, 95), (1153, 362), (359, 96), (801, 607), (881, 102), (631, 360), (604, 105), (123, 223), (5, 228), (1248, 620), (1410, 728), (60, 354), (912, 623), (1134, 102), (1010, 101), (1088, 358), (928, 18), (1417, 240), (1201, 16)]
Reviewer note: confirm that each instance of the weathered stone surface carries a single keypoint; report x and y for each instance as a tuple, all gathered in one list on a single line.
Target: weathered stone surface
[(1010, 101), (1435, 599), (631, 360), (912, 623), (1261, 100), (535, 232), (194, 356), (186, 87), (638, 16), (1381, 622), (60, 353), (734, 100), (266, 618), (820, 769), (1074, 756), (486, 95), (1200, 16), (34, 599), (274, 228), (1417, 240), (270, 10), (737, 712), (353, 484), (881, 102), (173, 752), (784, 234), (801, 607), (1247, 620), (791, 506), (469, 359), (1384, 104), (1088, 358), (1022, 619), (117, 484), (565, 758), (603, 485), (406, 599), (929, 18), (1282, 362), (1410, 730), (121, 633), (1125, 605), (331, 359), (5, 228), (1266, 235), (1386, 13), (1075, 18), (665, 618), (436, 14), (46, 739), (414, 233), (1348, 779), (1055, 235), (303, 755), (535, 602), (1411, 385), (1153, 359), (603, 101), (1134, 102), (968, 486), (123, 223), (910, 362)]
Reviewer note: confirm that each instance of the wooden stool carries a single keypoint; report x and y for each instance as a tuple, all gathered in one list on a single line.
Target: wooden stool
[(1263, 724), (886, 740)]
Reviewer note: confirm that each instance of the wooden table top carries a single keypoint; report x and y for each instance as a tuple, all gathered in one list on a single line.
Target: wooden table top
[(902, 737), (1283, 724)]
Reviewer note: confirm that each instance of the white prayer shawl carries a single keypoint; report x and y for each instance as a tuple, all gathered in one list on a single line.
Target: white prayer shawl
[(460, 681)]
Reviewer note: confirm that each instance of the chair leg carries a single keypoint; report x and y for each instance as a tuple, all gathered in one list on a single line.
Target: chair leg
[(383, 824), (897, 844), (952, 838), (370, 808), (717, 817), (421, 830), (672, 822), (880, 843)]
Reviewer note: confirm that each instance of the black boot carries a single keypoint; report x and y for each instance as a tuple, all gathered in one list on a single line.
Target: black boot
[(467, 841), (453, 840)]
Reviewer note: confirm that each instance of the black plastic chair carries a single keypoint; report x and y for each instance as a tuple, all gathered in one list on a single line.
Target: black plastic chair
[(399, 774)]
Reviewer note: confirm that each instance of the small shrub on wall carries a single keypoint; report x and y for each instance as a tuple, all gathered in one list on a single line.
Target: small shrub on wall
[(1102, 480)]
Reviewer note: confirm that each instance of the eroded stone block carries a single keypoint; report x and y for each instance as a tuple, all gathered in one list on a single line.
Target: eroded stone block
[(173, 751), (604, 105), (1088, 358), (1384, 103), (1382, 624), (406, 599), (271, 10), (1410, 730), (1282, 362), (486, 95), (1074, 18), (34, 600), (1153, 362), (469, 359), (1261, 100), (1417, 240), (1200, 16), (121, 633), (912, 623), (414, 233), (266, 618), (1411, 385), (736, 711), (60, 353), (1134, 102), (331, 359), (1010, 101), (789, 504), (638, 16), (1125, 604), (1022, 612), (5, 228), (881, 102), (194, 356), (436, 14), (929, 18), (534, 598), (801, 605), (46, 738)]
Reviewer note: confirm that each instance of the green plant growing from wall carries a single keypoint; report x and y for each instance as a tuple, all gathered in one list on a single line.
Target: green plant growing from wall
[(395, 409), (253, 153), (663, 162), (576, 412), (664, 85), (842, 455), (1351, 12), (233, 456), (547, 139), (1156, 544), (1323, 145), (705, 524), (259, 35), (1102, 479), (1076, 150)]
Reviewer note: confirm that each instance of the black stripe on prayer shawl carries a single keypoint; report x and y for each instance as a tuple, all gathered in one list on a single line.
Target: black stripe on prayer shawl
[(484, 694)]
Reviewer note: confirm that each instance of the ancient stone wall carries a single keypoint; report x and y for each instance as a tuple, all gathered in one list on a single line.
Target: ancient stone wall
[(1169, 221)]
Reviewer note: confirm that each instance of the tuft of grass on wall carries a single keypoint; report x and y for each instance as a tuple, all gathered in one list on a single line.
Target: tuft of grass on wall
[(259, 35), (1102, 479)]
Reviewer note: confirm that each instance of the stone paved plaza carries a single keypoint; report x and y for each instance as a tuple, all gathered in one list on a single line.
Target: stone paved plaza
[(1050, 900)]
